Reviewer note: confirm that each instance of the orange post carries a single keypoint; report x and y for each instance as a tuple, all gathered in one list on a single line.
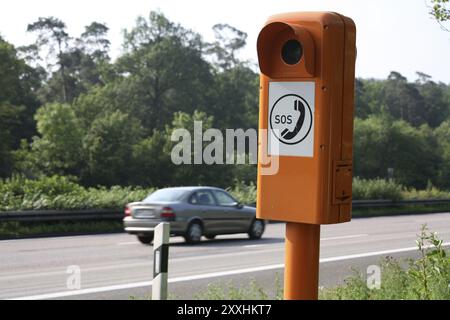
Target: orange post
[(301, 272)]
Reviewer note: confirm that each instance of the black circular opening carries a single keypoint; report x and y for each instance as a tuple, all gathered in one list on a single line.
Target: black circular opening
[(292, 52)]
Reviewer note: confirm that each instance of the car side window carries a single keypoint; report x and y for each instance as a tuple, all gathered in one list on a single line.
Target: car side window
[(223, 198), (193, 198), (203, 198)]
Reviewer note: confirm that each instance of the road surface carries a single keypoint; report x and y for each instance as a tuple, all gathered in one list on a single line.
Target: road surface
[(117, 266)]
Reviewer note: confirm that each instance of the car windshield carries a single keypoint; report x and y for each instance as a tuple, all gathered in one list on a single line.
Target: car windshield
[(165, 195)]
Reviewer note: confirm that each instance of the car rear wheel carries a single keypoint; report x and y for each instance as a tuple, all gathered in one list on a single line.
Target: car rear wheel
[(145, 239), (194, 232), (256, 229)]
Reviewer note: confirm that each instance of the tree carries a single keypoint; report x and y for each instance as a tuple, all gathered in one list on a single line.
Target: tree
[(58, 149), (369, 97), (163, 71), (436, 109), (382, 142), (156, 28), (229, 40), (111, 122), (108, 148), (235, 98), (440, 10), (90, 61), (9, 119), (73, 65), (442, 134), (52, 37), (201, 173), (94, 41), (151, 165), (18, 83), (403, 100)]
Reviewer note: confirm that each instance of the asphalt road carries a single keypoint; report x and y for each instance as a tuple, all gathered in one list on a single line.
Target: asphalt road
[(117, 266)]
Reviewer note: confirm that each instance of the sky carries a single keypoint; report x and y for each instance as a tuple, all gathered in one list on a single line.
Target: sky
[(395, 35)]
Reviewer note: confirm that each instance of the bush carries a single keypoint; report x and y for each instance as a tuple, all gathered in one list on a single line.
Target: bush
[(363, 189), (245, 291), (431, 192), (64, 193), (376, 189), (244, 193), (61, 193)]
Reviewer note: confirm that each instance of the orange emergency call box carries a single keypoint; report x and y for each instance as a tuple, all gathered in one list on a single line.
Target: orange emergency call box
[(307, 63)]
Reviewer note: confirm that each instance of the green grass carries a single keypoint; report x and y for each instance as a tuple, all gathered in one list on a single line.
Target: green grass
[(229, 291), (427, 278)]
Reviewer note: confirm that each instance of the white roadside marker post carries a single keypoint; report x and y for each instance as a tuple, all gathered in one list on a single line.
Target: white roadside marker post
[(160, 261)]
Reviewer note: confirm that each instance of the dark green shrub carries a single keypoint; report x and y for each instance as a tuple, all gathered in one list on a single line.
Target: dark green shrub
[(376, 189)]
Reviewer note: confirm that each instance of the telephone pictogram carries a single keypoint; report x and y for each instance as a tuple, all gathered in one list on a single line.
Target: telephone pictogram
[(288, 135)]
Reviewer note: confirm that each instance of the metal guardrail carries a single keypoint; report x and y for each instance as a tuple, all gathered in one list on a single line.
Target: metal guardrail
[(61, 215), (393, 203), (110, 214)]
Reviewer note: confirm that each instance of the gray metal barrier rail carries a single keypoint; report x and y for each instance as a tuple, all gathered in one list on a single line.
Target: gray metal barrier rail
[(110, 214), (61, 215)]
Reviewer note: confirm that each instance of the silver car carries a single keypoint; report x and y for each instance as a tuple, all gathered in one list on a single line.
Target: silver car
[(193, 212)]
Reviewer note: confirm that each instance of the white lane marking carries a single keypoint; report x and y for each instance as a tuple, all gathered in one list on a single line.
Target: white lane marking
[(229, 254), (206, 275), (85, 291), (226, 273), (345, 237), (147, 283), (127, 243), (375, 253), (254, 245), (136, 264), (321, 239)]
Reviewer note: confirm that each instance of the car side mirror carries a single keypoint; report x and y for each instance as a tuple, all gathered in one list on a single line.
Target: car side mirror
[(239, 205)]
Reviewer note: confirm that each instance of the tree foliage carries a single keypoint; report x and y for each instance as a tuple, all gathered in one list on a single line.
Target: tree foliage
[(18, 103), (67, 109), (440, 10)]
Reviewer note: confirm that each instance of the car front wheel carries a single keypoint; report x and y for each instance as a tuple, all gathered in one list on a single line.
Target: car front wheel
[(256, 229)]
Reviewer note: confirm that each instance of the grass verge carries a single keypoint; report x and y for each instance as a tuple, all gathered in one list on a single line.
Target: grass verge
[(427, 278)]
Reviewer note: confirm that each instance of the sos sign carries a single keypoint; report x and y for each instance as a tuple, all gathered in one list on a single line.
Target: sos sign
[(291, 119)]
